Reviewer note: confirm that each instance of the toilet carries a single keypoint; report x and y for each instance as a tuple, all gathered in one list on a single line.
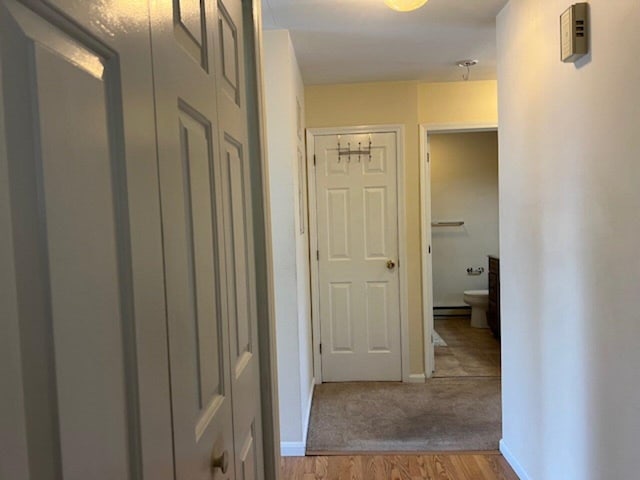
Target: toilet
[(478, 300)]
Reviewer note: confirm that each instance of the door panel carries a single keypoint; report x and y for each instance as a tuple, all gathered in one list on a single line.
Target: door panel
[(229, 54), (82, 171), (190, 192), (375, 224), (249, 470), (357, 234), (341, 319), (338, 221), (378, 161), (190, 30), (83, 253), (238, 280), (239, 249), (196, 149), (377, 300)]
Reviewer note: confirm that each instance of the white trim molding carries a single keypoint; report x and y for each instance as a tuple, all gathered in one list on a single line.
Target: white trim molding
[(402, 237), (293, 449), (511, 460), (417, 378), (267, 329), (299, 449), (425, 226), (307, 412)]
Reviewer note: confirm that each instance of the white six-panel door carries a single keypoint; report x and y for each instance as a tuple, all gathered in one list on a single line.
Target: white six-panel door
[(183, 35), (204, 183), (240, 287), (357, 238), (128, 269)]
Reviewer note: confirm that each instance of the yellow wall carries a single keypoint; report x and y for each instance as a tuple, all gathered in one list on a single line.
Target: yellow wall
[(409, 104), (458, 102)]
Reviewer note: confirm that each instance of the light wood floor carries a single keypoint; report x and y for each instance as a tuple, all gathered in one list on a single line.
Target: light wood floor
[(399, 467), (470, 352)]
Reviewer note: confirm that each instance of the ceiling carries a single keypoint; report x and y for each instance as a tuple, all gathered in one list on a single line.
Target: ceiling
[(345, 41)]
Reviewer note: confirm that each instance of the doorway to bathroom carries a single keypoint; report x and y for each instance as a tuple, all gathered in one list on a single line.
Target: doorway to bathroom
[(460, 242)]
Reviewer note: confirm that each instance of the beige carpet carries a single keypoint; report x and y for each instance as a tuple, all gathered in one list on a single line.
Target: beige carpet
[(445, 414)]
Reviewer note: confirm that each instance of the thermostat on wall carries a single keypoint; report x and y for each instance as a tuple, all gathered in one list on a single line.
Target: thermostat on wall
[(574, 32)]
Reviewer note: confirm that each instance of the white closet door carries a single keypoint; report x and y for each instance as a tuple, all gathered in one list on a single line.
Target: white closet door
[(130, 270), (184, 41), (78, 147), (239, 248), (357, 217), (206, 208)]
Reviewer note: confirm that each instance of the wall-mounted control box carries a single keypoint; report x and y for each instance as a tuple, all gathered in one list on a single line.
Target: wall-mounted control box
[(574, 32)]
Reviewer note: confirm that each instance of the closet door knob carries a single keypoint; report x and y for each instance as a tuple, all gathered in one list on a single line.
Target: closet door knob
[(221, 462), (391, 264)]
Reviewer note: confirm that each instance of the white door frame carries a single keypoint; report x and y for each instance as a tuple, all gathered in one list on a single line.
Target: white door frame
[(264, 270), (425, 226), (402, 238)]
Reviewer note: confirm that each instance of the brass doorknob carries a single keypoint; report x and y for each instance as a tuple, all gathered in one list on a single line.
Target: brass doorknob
[(391, 264), (221, 462)]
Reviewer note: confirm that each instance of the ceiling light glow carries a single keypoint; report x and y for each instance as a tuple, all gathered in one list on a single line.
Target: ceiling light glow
[(404, 5)]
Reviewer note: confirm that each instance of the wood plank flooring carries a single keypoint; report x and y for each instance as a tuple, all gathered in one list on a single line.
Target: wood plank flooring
[(470, 352), (399, 467)]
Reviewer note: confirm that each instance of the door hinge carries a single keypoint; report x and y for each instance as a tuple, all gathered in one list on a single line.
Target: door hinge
[(429, 248), (314, 159), (428, 157), (318, 255), (320, 349)]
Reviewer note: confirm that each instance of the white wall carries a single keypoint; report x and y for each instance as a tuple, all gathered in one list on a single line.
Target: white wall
[(464, 186), (283, 92), (569, 234)]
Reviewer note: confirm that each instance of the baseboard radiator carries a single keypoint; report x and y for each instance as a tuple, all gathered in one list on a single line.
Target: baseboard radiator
[(452, 311)]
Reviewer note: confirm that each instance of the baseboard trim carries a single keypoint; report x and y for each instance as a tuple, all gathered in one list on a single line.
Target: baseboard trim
[(337, 453), (299, 449), (506, 453), (307, 413), (416, 378), (293, 449)]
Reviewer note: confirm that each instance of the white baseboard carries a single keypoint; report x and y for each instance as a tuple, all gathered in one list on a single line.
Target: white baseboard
[(299, 449), (415, 378), (307, 413), (293, 449), (506, 453)]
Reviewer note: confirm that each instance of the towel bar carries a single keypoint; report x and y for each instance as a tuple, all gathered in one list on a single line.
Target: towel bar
[(447, 224)]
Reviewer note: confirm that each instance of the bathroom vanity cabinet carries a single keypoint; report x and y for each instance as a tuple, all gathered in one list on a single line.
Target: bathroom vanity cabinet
[(493, 312)]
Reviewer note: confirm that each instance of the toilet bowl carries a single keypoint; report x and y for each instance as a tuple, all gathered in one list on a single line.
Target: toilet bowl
[(478, 300)]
